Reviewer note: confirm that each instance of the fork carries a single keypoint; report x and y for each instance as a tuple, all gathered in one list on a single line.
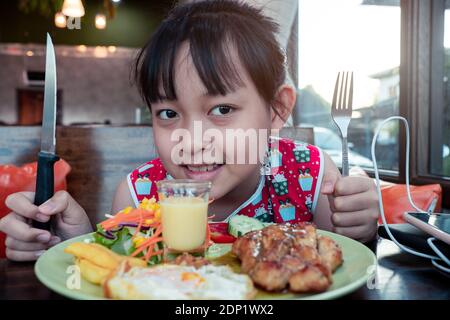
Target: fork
[(341, 111)]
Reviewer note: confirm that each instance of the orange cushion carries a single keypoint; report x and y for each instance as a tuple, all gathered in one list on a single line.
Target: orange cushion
[(14, 179), (395, 200)]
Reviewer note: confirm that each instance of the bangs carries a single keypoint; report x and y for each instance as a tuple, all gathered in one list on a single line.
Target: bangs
[(211, 51), (220, 34)]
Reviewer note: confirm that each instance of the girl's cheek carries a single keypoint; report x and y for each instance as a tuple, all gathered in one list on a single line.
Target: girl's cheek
[(163, 144)]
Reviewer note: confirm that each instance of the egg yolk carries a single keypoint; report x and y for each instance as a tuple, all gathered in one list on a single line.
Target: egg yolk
[(192, 276)]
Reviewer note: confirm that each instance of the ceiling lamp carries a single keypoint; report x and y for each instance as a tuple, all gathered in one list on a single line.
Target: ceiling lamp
[(60, 20), (73, 8), (100, 21)]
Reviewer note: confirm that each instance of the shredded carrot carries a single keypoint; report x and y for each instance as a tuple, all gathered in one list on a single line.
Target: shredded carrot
[(141, 220), (134, 216), (147, 255), (150, 253), (158, 230), (211, 200), (117, 220), (145, 245)]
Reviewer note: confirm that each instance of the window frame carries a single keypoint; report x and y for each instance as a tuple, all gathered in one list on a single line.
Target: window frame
[(421, 100)]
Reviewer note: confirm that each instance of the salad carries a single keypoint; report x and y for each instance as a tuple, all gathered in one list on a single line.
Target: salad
[(135, 232)]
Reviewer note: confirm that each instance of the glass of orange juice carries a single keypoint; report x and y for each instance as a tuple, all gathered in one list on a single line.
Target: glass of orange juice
[(184, 213)]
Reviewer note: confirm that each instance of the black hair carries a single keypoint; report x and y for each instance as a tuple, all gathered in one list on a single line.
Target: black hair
[(211, 28)]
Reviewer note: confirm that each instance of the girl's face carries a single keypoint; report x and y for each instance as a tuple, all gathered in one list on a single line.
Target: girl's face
[(242, 109)]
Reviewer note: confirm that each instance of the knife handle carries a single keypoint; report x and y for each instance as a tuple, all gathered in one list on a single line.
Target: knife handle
[(44, 184)]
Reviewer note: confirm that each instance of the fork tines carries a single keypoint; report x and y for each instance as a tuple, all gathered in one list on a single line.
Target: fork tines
[(343, 93)]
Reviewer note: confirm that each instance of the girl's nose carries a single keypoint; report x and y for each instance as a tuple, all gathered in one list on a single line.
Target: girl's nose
[(196, 142)]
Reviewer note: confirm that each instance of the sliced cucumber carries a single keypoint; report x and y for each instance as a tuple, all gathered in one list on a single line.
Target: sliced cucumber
[(240, 225), (217, 250)]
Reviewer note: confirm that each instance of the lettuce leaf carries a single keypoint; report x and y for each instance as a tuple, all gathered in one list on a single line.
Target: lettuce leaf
[(123, 245), (100, 239)]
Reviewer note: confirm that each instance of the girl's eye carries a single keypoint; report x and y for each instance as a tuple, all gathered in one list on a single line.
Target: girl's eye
[(167, 114), (221, 110)]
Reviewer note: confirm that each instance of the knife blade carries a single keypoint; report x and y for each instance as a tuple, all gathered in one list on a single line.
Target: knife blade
[(47, 156)]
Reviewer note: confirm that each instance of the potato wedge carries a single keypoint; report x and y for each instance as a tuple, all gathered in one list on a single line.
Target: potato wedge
[(92, 272), (134, 262), (96, 262), (95, 253)]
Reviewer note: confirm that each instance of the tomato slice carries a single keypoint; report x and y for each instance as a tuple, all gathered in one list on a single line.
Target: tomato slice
[(219, 233)]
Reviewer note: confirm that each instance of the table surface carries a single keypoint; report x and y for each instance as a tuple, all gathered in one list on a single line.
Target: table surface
[(398, 276)]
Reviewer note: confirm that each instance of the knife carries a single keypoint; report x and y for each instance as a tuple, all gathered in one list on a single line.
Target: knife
[(47, 156)]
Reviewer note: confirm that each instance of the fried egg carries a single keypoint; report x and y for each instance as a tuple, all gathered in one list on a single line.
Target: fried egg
[(178, 282)]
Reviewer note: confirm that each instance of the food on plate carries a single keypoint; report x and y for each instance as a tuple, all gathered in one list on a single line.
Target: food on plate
[(330, 252), (168, 281), (187, 259), (90, 251), (137, 232), (240, 225), (128, 254), (134, 232), (217, 250), (92, 272), (219, 233), (96, 261), (286, 256)]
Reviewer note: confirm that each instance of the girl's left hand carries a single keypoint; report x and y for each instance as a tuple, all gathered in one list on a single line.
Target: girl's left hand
[(354, 205)]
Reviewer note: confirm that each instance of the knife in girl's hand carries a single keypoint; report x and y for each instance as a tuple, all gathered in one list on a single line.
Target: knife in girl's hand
[(47, 156)]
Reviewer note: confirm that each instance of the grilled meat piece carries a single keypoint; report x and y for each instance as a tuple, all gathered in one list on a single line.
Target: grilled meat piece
[(288, 256), (330, 252)]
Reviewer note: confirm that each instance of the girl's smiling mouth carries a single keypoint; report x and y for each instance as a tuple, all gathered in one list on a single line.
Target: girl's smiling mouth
[(202, 171)]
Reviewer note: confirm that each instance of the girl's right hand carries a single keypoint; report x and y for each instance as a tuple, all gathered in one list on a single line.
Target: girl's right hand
[(25, 243)]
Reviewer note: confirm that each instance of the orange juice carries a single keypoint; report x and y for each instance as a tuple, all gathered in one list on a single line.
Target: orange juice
[(184, 222)]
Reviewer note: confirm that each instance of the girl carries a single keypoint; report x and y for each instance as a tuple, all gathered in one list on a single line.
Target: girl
[(216, 64)]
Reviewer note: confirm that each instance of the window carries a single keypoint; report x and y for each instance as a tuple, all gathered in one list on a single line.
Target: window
[(362, 36), (400, 53), (393, 91), (442, 165)]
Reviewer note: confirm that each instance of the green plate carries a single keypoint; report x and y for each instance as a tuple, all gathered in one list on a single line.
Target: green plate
[(55, 270)]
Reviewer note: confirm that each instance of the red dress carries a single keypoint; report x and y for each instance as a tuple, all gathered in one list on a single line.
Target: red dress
[(287, 191)]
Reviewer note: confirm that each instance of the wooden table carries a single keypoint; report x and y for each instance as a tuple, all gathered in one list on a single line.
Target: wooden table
[(399, 276)]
